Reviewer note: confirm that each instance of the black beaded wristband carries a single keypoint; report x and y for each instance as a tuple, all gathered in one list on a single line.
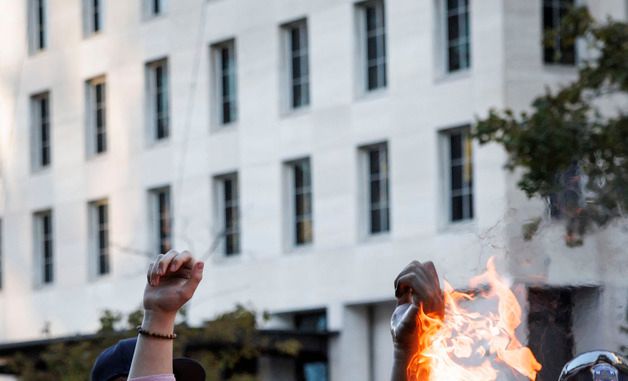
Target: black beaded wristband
[(144, 332)]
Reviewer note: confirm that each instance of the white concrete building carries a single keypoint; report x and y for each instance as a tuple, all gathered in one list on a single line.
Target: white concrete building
[(332, 129)]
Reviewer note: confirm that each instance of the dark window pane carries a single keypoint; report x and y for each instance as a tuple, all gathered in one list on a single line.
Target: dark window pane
[(228, 189), (453, 29), (375, 192), (371, 47), (371, 18), (226, 112), (452, 4), (296, 67), (232, 244), (163, 213), (96, 15), (103, 265), (224, 59), (456, 146), (457, 208), (102, 239), (44, 133), (298, 175), (295, 39), (374, 161), (45, 156), (100, 143), (230, 214), (102, 214), (376, 226), (456, 177), (297, 96), (230, 218), (372, 78), (454, 58), (41, 20), (548, 17)]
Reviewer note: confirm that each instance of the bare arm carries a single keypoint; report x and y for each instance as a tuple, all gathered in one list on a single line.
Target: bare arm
[(416, 285), (172, 280)]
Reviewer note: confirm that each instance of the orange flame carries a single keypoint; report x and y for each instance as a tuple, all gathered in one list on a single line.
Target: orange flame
[(470, 346)]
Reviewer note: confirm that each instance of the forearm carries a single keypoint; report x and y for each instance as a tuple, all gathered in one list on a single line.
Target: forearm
[(400, 364), (153, 356)]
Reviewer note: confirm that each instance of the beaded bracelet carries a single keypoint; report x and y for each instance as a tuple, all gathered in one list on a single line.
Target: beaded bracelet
[(144, 332)]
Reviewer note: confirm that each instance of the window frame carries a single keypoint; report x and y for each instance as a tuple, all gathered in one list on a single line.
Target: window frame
[(93, 19), (91, 109), (367, 209), (361, 9), (469, 211), (38, 31), (40, 161), (153, 115), (288, 79), (292, 217), (217, 98), (220, 214), (97, 270), (462, 13), (44, 276), (157, 244)]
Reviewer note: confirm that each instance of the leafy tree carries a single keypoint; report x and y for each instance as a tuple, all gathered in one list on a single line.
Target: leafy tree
[(568, 147)]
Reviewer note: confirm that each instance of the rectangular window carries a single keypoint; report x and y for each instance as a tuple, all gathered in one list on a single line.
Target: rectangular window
[(40, 130), (458, 35), (225, 82), (300, 196), (37, 25), (229, 212), (44, 248), (377, 182), (459, 170), (154, 8), (96, 110), (162, 219), (373, 40), (93, 16), (99, 226), (298, 64), (560, 52), (158, 99)]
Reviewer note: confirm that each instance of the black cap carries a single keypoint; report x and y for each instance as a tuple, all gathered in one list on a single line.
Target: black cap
[(115, 361)]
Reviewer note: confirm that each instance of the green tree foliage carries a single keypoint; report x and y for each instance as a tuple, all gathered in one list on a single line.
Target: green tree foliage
[(222, 345), (567, 131)]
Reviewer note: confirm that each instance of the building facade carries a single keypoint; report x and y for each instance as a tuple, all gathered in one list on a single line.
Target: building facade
[(307, 150)]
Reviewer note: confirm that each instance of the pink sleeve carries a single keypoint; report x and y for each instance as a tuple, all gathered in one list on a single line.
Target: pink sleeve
[(157, 377)]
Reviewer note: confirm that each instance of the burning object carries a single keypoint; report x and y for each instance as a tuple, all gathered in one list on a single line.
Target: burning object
[(467, 345)]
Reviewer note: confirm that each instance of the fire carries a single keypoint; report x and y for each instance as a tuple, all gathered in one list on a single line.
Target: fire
[(470, 346)]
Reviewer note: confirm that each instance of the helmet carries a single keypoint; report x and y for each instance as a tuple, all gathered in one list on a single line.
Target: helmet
[(596, 366)]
